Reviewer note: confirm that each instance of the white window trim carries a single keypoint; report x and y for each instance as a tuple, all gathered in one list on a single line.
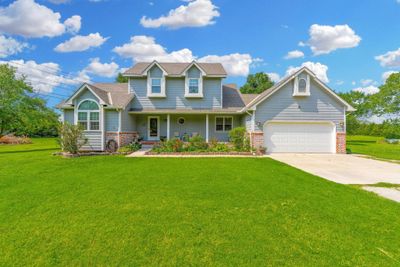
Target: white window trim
[(88, 128), (149, 87), (194, 95), (296, 86), (223, 124), (158, 128)]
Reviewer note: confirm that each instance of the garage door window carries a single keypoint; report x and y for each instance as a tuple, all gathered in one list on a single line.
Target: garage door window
[(223, 124)]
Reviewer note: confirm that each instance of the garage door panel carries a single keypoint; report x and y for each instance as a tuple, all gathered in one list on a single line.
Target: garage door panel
[(299, 137)]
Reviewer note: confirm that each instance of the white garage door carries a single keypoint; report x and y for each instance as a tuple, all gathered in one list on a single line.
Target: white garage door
[(300, 137)]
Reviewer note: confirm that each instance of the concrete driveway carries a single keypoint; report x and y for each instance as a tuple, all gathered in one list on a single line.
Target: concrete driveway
[(344, 169)]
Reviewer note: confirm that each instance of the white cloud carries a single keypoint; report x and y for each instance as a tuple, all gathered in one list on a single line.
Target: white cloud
[(368, 90), (73, 24), (386, 74), (43, 77), (30, 19), (81, 43), (320, 70), (101, 69), (366, 82), (294, 54), (145, 49), (9, 46), (196, 13), (390, 59), (275, 77), (235, 64), (324, 38)]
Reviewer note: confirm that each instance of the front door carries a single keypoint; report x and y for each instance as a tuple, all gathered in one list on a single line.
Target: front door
[(153, 128)]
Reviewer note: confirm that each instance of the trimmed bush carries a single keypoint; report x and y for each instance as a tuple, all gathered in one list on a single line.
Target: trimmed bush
[(197, 143)]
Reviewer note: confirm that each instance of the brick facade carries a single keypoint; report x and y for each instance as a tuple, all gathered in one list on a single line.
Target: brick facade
[(341, 143), (123, 138), (257, 139)]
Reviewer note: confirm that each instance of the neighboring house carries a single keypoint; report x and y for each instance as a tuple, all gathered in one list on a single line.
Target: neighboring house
[(172, 100)]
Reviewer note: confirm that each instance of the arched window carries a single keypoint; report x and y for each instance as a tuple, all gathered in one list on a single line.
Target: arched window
[(302, 85), (89, 115)]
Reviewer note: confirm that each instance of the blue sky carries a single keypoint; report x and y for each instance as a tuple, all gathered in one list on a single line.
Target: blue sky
[(59, 43)]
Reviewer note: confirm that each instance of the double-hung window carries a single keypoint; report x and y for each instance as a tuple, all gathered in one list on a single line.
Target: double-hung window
[(223, 124), (89, 116), (156, 85), (194, 86)]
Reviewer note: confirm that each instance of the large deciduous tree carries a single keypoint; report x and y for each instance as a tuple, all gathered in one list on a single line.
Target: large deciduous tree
[(387, 100), (21, 112), (257, 83)]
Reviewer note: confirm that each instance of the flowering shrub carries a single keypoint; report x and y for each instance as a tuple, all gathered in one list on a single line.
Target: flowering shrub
[(239, 138), (194, 144)]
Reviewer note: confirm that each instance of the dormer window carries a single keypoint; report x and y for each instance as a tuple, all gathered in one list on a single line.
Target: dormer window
[(193, 86), (302, 86), (194, 83), (156, 82), (155, 85)]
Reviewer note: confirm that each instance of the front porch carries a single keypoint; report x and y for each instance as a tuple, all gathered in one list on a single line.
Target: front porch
[(153, 128)]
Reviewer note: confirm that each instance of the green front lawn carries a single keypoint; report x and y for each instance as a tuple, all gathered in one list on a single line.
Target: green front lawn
[(117, 211), (373, 146)]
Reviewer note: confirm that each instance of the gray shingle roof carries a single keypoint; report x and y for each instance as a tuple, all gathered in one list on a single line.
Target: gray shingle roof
[(112, 94), (232, 98), (212, 69), (117, 93)]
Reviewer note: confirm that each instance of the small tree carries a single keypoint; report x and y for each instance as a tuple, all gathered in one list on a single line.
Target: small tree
[(71, 137), (257, 83), (121, 79), (238, 137)]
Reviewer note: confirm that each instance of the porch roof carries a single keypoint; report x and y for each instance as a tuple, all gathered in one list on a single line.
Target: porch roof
[(185, 111)]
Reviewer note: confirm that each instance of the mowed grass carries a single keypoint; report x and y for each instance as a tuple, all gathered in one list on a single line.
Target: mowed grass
[(117, 211), (373, 146)]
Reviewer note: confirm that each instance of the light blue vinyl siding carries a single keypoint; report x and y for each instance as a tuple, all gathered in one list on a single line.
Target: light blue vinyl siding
[(85, 94), (319, 106), (69, 116), (111, 118), (194, 72), (156, 72), (128, 120), (94, 141), (175, 91)]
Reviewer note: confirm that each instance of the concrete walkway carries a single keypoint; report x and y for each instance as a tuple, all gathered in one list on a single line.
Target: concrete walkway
[(344, 169), (141, 152), (348, 169), (390, 193)]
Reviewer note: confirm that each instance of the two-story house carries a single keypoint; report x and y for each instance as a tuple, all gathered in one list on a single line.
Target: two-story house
[(176, 100)]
